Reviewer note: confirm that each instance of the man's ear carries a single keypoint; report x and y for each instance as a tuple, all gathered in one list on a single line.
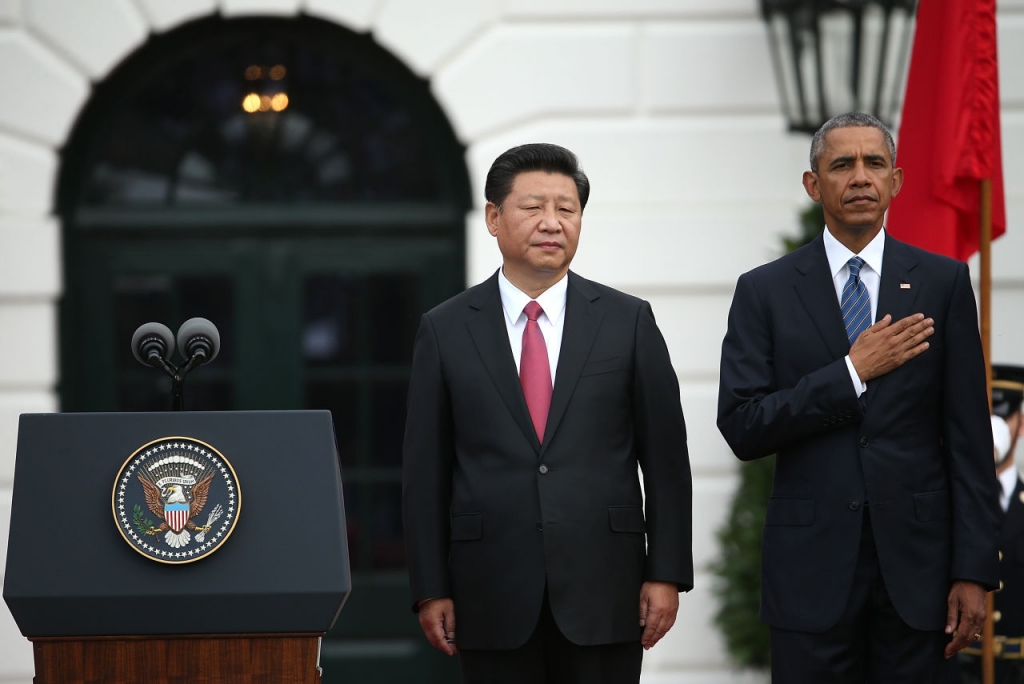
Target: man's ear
[(897, 181), (811, 185), (491, 212)]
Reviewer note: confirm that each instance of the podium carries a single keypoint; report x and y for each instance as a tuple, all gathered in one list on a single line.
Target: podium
[(98, 607)]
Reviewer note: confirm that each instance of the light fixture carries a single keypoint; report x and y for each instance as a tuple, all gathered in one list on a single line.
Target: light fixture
[(835, 56)]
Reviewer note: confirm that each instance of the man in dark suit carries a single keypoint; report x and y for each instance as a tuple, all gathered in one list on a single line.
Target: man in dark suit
[(880, 535), (1008, 618), (524, 515)]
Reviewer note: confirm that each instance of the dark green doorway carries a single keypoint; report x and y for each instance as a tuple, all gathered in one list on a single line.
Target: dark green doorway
[(313, 237)]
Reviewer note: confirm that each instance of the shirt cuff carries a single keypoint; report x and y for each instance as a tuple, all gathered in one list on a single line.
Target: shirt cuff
[(858, 385), (419, 604)]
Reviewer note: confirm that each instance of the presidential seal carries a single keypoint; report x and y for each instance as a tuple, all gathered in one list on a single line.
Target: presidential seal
[(176, 500)]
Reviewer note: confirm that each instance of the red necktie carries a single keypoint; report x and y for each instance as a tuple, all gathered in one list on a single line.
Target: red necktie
[(535, 370)]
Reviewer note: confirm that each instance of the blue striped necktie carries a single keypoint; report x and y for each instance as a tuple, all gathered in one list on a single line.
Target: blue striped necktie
[(856, 303)]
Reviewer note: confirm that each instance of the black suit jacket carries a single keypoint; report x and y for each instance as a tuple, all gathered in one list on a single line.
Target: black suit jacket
[(916, 446), (491, 515), (1010, 601)]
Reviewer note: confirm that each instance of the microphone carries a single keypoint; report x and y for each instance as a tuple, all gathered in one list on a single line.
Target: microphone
[(152, 344), (198, 341)]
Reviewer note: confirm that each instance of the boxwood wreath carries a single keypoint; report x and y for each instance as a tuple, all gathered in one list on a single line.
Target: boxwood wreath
[(737, 571)]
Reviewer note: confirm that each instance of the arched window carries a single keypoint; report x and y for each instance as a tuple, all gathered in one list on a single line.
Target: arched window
[(297, 185)]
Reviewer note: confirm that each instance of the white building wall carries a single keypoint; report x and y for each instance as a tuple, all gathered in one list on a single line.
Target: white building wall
[(670, 104)]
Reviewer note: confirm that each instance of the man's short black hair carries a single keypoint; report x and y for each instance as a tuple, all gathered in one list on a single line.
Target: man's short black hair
[(533, 157), (849, 120)]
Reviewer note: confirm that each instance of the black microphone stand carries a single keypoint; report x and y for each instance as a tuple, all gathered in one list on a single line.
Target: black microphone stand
[(176, 373), (200, 345)]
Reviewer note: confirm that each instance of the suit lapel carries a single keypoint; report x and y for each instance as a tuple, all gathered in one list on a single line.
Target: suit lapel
[(817, 292), (897, 292), (490, 335), (898, 288), (582, 320)]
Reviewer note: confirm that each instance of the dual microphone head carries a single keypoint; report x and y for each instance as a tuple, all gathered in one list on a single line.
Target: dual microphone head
[(198, 342)]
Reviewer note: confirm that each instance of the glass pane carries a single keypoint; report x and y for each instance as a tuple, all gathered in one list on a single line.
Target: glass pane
[(388, 551), (203, 394), (171, 299), (387, 422), (210, 297), (354, 525), (329, 320), (155, 394), (264, 111), (341, 398), (138, 299), (151, 392), (394, 303)]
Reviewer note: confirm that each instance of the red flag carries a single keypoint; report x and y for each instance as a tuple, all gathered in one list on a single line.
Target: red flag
[(949, 135)]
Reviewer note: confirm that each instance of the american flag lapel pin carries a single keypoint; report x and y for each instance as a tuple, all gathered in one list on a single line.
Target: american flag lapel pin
[(904, 286)]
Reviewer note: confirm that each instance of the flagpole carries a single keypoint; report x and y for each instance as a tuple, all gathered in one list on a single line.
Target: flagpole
[(985, 248)]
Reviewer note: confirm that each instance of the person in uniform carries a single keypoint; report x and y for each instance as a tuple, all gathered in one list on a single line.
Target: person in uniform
[(1008, 618)]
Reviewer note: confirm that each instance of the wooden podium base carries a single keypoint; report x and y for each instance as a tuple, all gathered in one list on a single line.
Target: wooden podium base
[(209, 659)]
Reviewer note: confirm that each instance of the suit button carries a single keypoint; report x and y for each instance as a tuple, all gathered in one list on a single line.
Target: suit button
[(996, 616), (1000, 555), (540, 526), (543, 470), (854, 505), (863, 441)]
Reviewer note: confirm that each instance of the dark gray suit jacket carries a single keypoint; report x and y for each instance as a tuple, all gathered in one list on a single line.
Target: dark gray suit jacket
[(917, 446), (1010, 601), (491, 515)]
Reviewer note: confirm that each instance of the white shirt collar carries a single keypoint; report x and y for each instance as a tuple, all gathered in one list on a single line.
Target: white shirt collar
[(1008, 482), (514, 300), (838, 253)]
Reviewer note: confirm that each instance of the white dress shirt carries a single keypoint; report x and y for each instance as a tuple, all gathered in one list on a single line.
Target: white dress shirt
[(870, 274), (1007, 483), (551, 322)]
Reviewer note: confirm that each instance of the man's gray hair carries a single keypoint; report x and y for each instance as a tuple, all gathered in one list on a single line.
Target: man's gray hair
[(849, 120)]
